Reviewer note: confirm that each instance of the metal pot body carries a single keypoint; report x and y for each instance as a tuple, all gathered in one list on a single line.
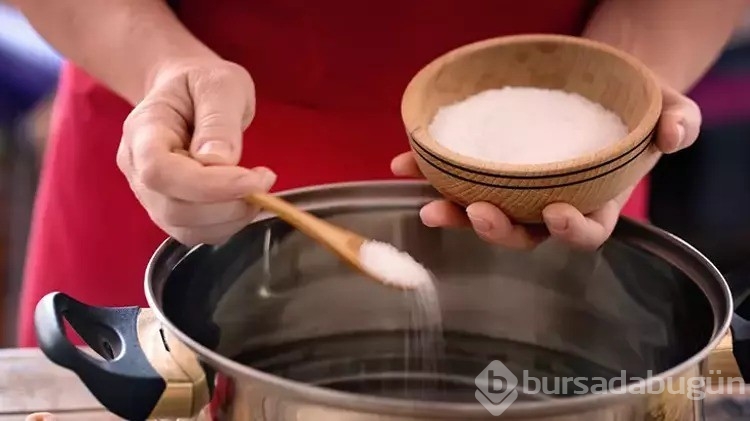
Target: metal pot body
[(249, 402), (271, 327)]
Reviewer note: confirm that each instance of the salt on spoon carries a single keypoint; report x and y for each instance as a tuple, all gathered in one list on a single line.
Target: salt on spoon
[(392, 265), (380, 261)]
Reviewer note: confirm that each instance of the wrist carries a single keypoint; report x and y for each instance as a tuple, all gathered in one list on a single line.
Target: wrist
[(677, 39), (165, 42)]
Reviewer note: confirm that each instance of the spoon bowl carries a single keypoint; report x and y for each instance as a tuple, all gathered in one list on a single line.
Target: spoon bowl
[(347, 245)]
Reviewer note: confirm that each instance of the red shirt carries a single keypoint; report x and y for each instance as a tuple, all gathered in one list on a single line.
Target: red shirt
[(329, 77)]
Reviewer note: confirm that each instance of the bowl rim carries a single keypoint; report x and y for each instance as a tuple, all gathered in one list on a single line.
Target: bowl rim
[(603, 157)]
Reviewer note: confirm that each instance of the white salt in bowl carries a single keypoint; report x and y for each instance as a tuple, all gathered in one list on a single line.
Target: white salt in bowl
[(504, 170)]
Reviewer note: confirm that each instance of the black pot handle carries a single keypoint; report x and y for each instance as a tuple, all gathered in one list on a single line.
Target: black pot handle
[(126, 381)]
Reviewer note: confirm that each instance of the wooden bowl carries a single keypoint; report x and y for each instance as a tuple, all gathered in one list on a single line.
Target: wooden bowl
[(596, 71)]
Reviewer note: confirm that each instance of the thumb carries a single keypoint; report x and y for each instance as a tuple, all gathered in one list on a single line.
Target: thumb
[(679, 124), (221, 115)]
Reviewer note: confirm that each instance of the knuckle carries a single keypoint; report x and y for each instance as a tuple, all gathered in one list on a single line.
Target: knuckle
[(234, 70), (135, 118), (163, 103), (226, 76), (174, 214), (122, 158), (142, 116), (145, 112), (212, 121), (230, 79), (151, 175), (217, 76)]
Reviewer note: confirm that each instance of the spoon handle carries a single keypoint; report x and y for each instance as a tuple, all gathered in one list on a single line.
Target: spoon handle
[(339, 240)]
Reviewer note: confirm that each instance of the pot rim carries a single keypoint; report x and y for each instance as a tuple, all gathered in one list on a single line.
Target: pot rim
[(393, 406)]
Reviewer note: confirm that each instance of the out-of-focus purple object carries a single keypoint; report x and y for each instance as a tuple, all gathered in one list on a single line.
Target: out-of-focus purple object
[(29, 67)]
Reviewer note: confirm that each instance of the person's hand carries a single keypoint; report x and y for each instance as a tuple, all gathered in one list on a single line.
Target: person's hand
[(677, 129), (180, 149), (40, 416)]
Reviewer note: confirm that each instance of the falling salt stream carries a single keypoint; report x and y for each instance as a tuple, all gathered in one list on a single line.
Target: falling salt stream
[(426, 328), (424, 338)]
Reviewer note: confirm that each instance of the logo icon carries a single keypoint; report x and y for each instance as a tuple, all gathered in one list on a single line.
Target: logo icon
[(496, 388)]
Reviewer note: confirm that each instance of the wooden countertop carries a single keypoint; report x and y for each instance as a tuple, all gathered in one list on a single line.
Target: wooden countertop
[(30, 383)]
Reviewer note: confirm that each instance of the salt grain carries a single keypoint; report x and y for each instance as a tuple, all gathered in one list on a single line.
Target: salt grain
[(424, 340), (392, 265), (523, 125)]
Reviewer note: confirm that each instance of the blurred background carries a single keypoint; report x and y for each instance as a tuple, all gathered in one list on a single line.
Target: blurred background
[(701, 194)]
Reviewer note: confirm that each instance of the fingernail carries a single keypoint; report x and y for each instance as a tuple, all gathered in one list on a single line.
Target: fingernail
[(480, 224), (40, 416), (216, 148), (424, 216), (267, 178), (680, 134), (556, 222)]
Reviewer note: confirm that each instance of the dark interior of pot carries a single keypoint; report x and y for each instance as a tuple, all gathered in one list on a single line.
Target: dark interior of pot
[(275, 301)]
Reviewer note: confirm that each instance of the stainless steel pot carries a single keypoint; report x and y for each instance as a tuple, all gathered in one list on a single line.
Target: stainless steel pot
[(270, 327)]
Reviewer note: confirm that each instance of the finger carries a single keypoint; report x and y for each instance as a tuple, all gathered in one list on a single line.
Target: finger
[(224, 106), (181, 214), (442, 213), (492, 225), (40, 416), (158, 119), (569, 225), (671, 132), (679, 124), (182, 178), (210, 234), (404, 165), (124, 160), (178, 176)]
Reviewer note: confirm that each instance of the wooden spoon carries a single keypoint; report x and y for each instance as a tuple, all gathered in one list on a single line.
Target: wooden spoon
[(342, 242)]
